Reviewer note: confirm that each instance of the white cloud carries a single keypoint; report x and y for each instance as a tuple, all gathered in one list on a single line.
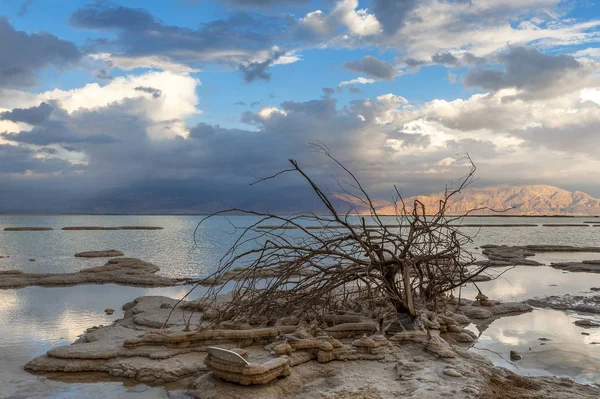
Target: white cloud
[(484, 27), (174, 99), (446, 161), (358, 22), (267, 112), (360, 81), (128, 63)]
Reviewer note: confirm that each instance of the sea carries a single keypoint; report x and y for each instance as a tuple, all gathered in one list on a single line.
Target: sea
[(36, 319)]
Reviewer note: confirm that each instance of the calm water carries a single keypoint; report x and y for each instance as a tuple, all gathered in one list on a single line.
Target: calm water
[(34, 319)]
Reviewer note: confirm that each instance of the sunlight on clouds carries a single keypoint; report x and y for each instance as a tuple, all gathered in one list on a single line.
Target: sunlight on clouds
[(151, 61), (358, 22), (360, 80), (267, 112)]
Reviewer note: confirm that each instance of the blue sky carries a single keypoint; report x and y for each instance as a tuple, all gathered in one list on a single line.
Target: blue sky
[(145, 98)]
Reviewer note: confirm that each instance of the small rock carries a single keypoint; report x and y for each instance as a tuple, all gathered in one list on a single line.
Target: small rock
[(452, 372), (32, 260), (544, 339), (419, 359), (586, 323), (585, 333), (514, 356), (109, 311), (595, 289)]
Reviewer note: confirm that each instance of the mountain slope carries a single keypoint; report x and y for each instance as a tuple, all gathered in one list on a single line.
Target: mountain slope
[(525, 200)]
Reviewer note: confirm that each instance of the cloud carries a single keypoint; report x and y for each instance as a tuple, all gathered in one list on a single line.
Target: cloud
[(360, 80), (143, 41), (358, 22), (392, 13), (266, 3), (482, 28), (24, 9), (150, 90), (258, 70), (532, 72), (31, 116), (373, 67), (22, 160), (24, 55)]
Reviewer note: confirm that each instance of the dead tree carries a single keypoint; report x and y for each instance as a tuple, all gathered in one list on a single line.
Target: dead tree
[(308, 265)]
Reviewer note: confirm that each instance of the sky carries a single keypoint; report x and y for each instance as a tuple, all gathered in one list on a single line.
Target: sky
[(159, 107)]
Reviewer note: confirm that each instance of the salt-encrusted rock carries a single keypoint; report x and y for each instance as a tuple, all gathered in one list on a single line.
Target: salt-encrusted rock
[(126, 271), (577, 303), (110, 253), (476, 311), (587, 266), (586, 323), (28, 228), (349, 330), (452, 372)]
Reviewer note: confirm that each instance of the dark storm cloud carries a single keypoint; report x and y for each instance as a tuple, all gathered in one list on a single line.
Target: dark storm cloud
[(525, 68), (32, 116), (151, 90), (17, 159), (392, 13), (373, 67), (55, 132), (23, 55)]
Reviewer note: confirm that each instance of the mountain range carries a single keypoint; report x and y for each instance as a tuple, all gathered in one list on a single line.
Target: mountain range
[(516, 200)]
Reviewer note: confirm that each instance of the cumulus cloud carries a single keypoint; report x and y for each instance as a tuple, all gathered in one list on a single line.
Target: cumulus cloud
[(392, 13), (533, 72), (373, 67), (24, 55), (31, 116)]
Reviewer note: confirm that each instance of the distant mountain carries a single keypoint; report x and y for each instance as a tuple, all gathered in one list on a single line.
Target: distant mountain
[(525, 200)]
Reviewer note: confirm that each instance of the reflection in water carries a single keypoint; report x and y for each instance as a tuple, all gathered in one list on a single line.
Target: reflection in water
[(35, 319), (567, 353)]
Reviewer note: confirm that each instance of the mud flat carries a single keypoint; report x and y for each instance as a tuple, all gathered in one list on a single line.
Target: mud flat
[(113, 228), (125, 271), (99, 254), (503, 255), (356, 364), (28, 228), (577, 303)]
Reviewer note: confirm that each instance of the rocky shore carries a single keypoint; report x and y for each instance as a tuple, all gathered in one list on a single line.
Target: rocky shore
[(345, 357)]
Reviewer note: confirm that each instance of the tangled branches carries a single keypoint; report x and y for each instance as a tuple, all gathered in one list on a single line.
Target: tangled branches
[(308, 265)]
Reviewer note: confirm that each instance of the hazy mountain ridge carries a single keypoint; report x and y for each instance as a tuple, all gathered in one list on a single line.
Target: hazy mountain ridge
[(525, 200)]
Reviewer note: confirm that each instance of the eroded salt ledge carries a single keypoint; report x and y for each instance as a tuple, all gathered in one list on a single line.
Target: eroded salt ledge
[(126, 271), (504, 255), (342, 356)]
